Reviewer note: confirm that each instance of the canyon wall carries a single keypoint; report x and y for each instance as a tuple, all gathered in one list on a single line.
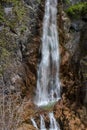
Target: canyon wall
[(20, 42)]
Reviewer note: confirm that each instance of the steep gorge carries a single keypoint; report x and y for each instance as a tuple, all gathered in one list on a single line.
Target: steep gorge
[(19, 47)]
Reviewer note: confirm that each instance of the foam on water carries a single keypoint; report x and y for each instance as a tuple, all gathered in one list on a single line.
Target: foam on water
[(34, 123), (53, 123)]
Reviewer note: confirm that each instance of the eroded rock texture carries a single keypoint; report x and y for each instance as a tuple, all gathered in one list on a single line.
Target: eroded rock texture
[(20, 42)]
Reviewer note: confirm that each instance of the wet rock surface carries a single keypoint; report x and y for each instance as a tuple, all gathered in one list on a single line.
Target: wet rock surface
[(19, 48)]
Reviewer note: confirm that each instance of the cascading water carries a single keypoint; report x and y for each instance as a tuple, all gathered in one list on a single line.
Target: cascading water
[(34, 123), (53, 123), (48, 84), (42, 125)]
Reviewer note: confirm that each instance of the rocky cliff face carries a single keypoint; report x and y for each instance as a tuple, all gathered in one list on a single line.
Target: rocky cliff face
[(73, 72), (75, 30), (20, 32), (19, 47), (83, 64)]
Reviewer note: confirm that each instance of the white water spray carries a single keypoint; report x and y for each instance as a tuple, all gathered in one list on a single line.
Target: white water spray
[(48, 84), (42, 124), (53, 123), (34, 123)]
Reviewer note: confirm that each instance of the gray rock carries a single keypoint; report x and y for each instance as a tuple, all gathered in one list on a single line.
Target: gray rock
[(8, 10)]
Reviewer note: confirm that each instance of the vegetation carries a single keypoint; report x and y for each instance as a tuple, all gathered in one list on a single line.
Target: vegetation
[(19, 11), (66, 1), (2, 19), (9, 1), (77, 10), (14, 23)]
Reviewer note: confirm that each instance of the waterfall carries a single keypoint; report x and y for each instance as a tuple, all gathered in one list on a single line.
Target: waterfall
[(48, 84), (42, 125), (53, 123), (34, 123)]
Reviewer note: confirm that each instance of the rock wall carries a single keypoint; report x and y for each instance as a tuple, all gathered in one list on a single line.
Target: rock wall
[(19, 42), (73, 72), (19, 52), (20, 31), (83, 64)]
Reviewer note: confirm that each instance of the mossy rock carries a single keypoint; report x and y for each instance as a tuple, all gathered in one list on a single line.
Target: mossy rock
[(2, 19), (78, 10), (18, 13), (7, 50), (9, 1)]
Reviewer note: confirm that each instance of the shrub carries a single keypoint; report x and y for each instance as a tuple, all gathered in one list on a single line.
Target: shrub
[(76, 11)]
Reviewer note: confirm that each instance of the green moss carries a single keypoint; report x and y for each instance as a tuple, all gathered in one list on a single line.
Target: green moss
[(9, 1), (2, 19), (7, 47), (1, 71), (4, 53), (23, 29), (19, 13), (76, 11), (19, 10), (4, 58), (17, 23), (66, 1), (2, 43)]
